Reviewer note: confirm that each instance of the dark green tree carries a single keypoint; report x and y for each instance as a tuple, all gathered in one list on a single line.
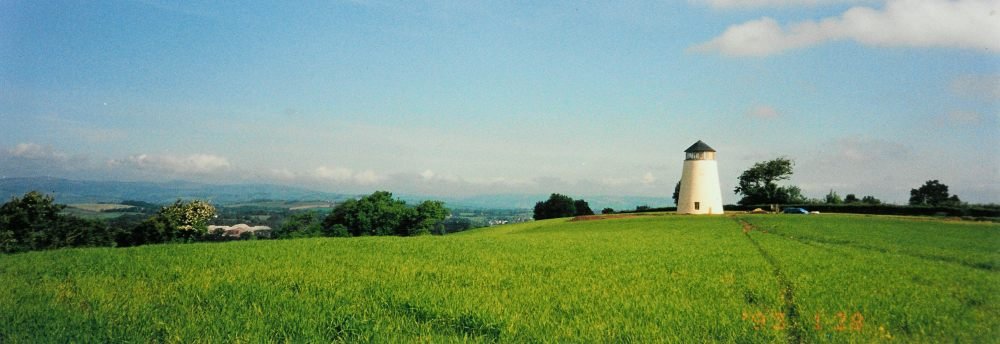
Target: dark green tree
[(428, 218), (375, 214), (300, 225), (758, 184), (380, 214), (851, 198), (677, 192), (607, 211), (25, 221), (555, 207), (933, 193), (870, 200), (155, 229), (833, 198), (34, 222), (582, 208), (455, 224)]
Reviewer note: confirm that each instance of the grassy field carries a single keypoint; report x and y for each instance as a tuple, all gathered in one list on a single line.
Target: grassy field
[(288, 205), (97, 207), (98, 210), (745, 278)]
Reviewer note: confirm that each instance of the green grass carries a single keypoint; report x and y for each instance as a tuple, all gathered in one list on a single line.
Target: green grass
[(287, 205), (98, 207), (97, 211), (909, 278), (638, 279)]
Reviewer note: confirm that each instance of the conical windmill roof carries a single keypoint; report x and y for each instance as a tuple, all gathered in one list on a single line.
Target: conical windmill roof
[(699, 147)]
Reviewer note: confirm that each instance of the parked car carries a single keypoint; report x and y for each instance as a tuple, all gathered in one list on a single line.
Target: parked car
[(795, 211)]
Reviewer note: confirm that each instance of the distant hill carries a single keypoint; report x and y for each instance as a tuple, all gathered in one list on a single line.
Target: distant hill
[(524, 201), (79, 191), (84, 191)]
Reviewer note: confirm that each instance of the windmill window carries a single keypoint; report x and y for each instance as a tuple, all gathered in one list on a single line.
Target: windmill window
[(697, 205)]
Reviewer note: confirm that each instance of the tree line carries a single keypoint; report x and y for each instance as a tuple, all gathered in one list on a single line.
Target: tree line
[(758, 185), (35, 222)]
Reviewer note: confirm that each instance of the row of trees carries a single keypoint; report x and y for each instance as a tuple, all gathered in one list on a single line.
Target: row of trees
[(758, 185), (834, 198), (375, 214), (36, 222)]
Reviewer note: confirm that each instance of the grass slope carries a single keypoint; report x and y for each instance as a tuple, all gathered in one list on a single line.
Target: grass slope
[(640, 279)]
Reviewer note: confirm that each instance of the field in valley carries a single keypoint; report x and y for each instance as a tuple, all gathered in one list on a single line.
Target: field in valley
[(98, 210), (650, 278)]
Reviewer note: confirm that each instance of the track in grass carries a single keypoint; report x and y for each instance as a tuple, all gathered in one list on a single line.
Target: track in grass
[(791, 312)]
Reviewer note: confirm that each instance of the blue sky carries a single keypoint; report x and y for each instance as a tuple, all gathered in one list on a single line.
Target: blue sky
[(466, 98)]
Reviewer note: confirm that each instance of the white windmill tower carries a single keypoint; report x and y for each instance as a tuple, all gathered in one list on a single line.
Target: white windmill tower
[(700, 192)]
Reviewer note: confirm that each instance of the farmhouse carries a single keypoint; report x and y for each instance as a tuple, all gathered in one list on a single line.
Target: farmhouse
[(700, 192), (237, 231)]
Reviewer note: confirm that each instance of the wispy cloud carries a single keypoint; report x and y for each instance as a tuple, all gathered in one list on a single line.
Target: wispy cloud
[(35, 151), (186, 164), (731, 4), (648, 178), (960, 117), (967, 24), (762, 112), (864, 149), (30, 158), (982, 87), (346, 175)]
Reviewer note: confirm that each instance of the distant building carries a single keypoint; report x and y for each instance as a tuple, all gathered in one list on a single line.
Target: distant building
[(237, 231), (700, 192)]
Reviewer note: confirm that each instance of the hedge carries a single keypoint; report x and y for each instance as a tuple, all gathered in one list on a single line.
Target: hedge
[(883, 209)]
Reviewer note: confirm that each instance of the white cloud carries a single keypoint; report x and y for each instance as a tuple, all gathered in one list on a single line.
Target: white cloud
[(427, 175), (968, 24), (339, 174), (346, 175), (648, 178), (763, 112), (32, 159), (729, 4), (189, 164), (762, 37), (35, 152)]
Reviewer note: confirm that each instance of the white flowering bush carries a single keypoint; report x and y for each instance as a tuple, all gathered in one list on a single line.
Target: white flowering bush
[(190, 216)]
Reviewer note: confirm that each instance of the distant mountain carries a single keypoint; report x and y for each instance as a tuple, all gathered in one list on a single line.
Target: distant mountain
[(525, 201), (79, 191), (82, 191)]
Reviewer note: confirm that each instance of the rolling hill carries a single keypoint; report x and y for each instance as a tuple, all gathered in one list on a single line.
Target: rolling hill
[(83, 191)]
